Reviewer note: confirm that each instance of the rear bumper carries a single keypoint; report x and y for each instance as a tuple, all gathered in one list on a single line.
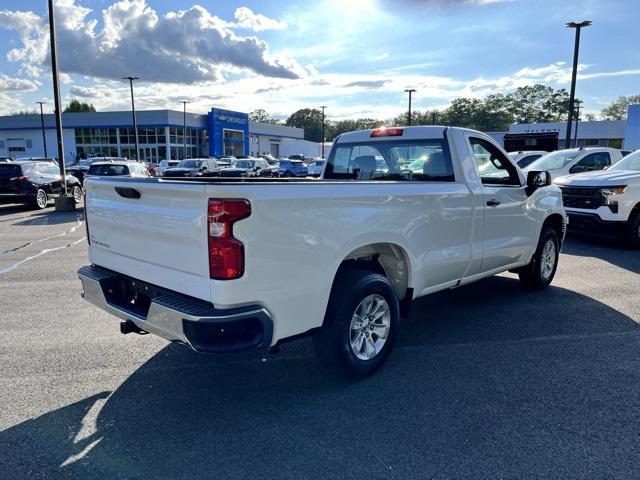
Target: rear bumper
[(177, 317), (591, 223)]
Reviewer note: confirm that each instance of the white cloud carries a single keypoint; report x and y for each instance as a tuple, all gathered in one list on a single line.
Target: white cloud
[(257, 22), (186, 46)]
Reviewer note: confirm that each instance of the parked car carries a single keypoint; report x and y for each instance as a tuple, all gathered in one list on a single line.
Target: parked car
[(378, 244), (129, 168), (525, 158), (79, 169), (34, 183), (6, 159), (225, 161), (576, 160), (245, 168), (296, 156), (292, 168), (37, 159), (605, 202), (193, 167), (315, 167), (164, 164), (270, 159)]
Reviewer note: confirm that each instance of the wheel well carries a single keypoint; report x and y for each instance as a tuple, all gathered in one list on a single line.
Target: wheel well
[(634, 211), (386, 259), (556, 222)]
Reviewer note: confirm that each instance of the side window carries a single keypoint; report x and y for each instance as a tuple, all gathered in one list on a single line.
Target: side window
[(51, 169), (493, 166), (592, 162)]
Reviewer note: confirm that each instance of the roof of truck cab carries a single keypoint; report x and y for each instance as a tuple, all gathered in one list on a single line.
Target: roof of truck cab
[(408, 133)]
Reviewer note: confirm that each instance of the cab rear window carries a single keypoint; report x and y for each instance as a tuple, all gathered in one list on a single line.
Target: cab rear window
[(395, 160)]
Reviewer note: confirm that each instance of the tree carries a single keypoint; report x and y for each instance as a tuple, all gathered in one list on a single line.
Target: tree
[(618, 109), (538, 103), (77, 106), (25, 112), (311, 120), (262, 116)]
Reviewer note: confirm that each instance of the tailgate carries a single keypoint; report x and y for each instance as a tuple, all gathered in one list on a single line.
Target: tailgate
[(151, 230)]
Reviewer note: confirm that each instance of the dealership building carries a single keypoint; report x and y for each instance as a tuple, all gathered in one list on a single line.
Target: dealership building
[(160, 135), (623, 134)]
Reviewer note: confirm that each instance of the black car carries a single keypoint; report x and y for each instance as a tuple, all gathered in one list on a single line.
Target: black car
[(34, 183), (79, 170), (194, 167), (6, 159)]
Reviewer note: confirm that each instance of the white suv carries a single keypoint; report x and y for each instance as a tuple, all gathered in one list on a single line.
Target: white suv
[(576, 160)]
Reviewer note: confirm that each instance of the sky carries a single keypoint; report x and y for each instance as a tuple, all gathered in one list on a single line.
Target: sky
[(354, 56)]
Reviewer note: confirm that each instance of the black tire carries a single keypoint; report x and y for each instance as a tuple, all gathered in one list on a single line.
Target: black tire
[(633, 230), (77, 194), (537, 275), (41, 200), (333, 344)]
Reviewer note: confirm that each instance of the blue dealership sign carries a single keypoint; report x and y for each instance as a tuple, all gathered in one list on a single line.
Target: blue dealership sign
[(219, 120)]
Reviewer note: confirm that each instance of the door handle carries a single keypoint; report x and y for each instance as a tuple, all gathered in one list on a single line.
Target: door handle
[(493, 203)]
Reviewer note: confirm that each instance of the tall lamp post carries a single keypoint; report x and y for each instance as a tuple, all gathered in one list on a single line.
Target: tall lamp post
[(410, 91), (44, 138), (184, 128), (323, 139), (63, 203), (133, 113), (576, 48)]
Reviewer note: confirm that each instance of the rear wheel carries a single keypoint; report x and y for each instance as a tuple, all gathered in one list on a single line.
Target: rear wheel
[(633, 230), (41, 200), (542, 268), (361, 324)]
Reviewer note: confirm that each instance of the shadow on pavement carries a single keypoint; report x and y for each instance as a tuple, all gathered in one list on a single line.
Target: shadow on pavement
[(541, 386), (50, 217), (612, 251)]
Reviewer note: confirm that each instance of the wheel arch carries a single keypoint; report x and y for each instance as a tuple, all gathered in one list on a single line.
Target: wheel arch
[(557, 222)]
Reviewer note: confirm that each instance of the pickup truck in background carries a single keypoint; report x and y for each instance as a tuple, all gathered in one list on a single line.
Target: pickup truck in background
[(223, 265), (606, 202)]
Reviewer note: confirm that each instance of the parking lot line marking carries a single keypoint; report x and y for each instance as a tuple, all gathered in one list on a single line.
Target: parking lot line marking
[(71, 230), (48, 250)]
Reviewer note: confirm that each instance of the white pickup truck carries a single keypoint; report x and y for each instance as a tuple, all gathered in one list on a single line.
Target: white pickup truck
[(606, 202), (244, 264)]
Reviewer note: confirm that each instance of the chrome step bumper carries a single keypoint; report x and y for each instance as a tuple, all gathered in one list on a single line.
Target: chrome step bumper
[(177, 317)]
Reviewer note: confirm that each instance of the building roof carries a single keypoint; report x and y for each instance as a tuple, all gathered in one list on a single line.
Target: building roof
[(586, 129)]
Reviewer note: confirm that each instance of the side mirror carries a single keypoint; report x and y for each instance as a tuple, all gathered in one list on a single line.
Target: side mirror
[(537, 179)]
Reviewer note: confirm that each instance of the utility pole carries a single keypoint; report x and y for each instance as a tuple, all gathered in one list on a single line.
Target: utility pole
[(133, 113), (575, 137), (323, 139), (433, 118), (44, 138), (410, 91), (572, 95), (184, 129), (63, 203)]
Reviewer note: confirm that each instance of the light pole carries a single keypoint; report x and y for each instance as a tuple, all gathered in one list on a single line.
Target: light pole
[(410, 91), (184, 129), (61, 204), (576, 48), (323, 139), (133, 113), (44, 138)]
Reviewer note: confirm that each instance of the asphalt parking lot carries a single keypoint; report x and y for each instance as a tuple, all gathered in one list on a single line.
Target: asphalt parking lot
[(487, 381)]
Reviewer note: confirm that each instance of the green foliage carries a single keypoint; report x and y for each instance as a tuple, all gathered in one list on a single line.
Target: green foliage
[(311, 120), (262, 116), (25, 112), (77, 106), (618, 109)]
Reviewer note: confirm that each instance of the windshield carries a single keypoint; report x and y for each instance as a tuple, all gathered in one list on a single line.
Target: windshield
[(242, 163), (554, 160), (630, 162), (108, 170), (391, 160), (189, 164), (86, 162)]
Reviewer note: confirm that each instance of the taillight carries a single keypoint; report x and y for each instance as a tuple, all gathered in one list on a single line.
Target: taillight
[(23, 178), (387, 132), (226, 253)]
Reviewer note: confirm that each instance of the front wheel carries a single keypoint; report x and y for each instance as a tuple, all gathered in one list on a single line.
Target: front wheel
[(633, 231), (77, 194), (361, 324), (542, 268)]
